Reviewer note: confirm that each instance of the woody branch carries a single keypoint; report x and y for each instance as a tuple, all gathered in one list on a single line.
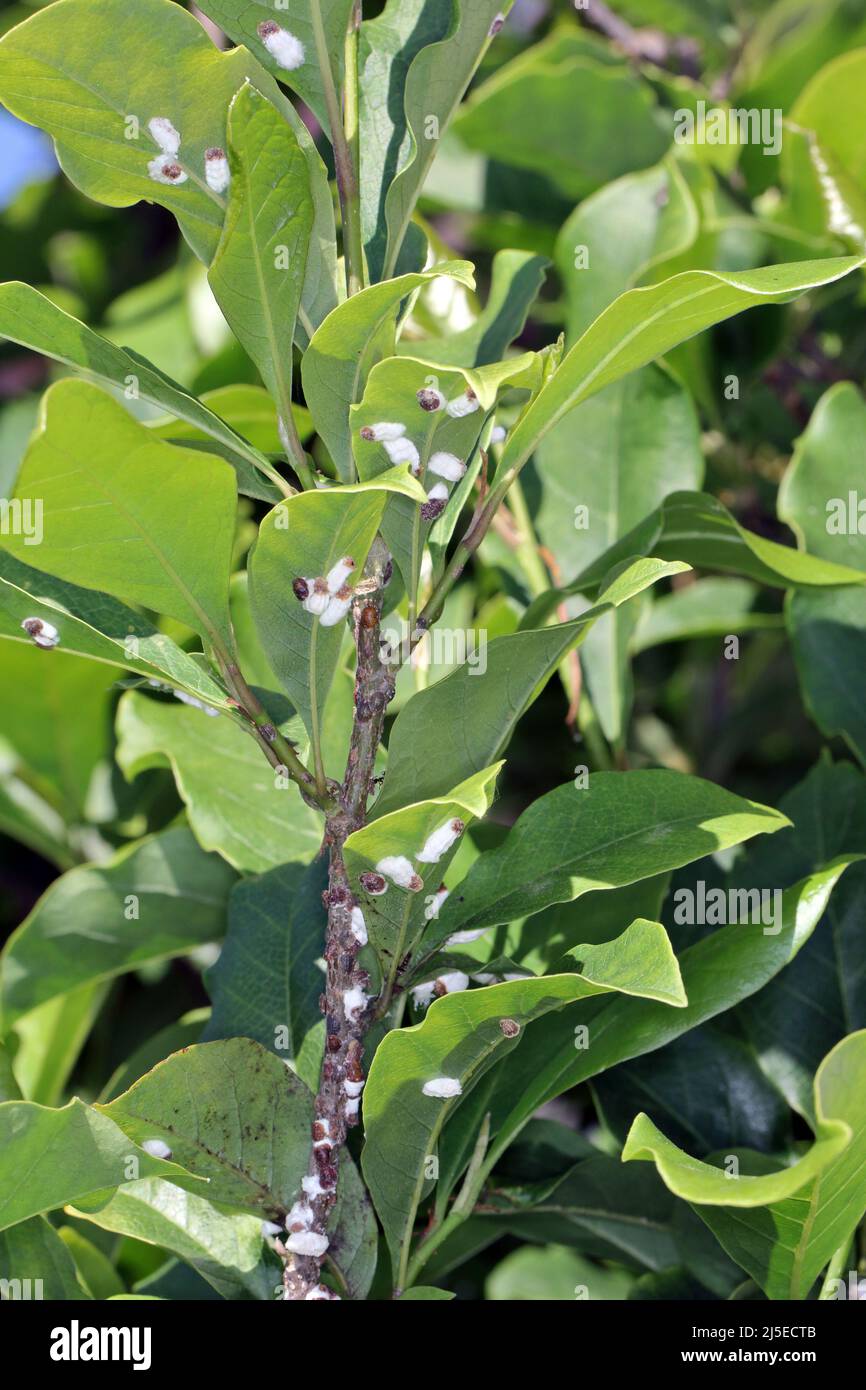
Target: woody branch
[(345, 1003)]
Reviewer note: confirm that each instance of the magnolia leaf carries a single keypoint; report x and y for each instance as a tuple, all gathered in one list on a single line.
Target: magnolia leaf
[(155, 899), (35, 1250), (308, 65), (396, 919), (526, 113), (697, 528), (248, 409), (643, 324), (819, 500), (462, 724), (461, 1037), (236, 805), (100, 627), (393, 394), (439, 50), (225, 1249), (97, 1158), (784, 1225), (28, 318), (230, 1112), (516, 278), (305, 538), (720, 971), (268, 979), (143, 520), (152, 61), (257, 274), (622, 827), (349, 343)]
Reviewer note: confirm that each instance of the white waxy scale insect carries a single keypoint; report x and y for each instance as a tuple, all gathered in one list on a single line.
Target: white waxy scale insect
[(462, 938), (306, 1243), (337, 576), (164, 134), (164, 169), (403, 451), (286, 50), (447, 466), (337, 608), (216, 169), (434, 906), (359, 926), (386, 430), (354, 1003), (441, 841), (399, 869), (43, 634), (442, 1087), (318, 598), (463, 405), (157, 1148), (353, 1088), (438, 493), (270, 1228)]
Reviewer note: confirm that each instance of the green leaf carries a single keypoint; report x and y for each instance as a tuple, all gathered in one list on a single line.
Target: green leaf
[(353, 1233), (639, 442), (155, 899), (267, 981), (235, 804), (460, 1039), (225, 1249), (460, 725), (796, 1019), (722, 970), (230, 1112), (705, 1089), (527, 113), (833, 106), (623, 827), (643, 324), (788, 1222), (304, 538), (391, 394), (619, 234), (596, 1207), (248, 409), (100, 627), (697, 528), (396, 920), (436, 76), (50, 1038), (33, 1254), (421, 1293), (554, 1274), (257, 274), (352, 339), (320, 25), (104, 63), (707, 608), (139, 518), (95, 1269), (28, 318), (97, 1157), (516, 278), (816, 498), (58, 754)]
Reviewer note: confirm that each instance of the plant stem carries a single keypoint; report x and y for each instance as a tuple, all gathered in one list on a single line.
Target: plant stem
[(353, 243), (345, 158), (275, 746), (835, 1271), (346, 1026), (295, 449)]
